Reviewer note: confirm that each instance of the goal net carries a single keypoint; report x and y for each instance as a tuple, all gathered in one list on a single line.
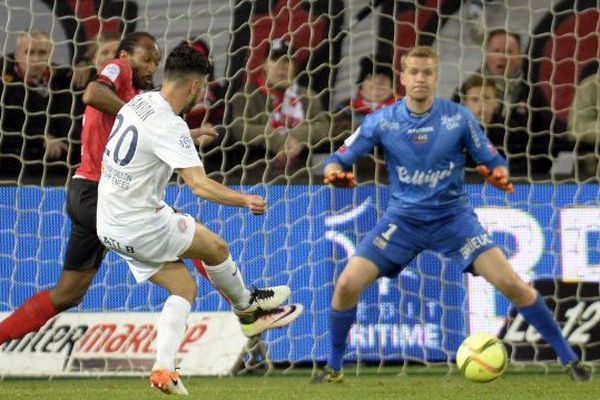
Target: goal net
[(549, 228)]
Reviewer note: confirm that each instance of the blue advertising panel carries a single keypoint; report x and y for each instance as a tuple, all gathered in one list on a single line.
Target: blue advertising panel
[(304, 241)]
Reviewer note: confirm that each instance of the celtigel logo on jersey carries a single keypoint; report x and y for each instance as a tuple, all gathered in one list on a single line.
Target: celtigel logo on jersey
[(418, 177)]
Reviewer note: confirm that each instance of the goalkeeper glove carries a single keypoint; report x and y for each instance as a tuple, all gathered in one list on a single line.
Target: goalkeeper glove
[(498, 177), (341, 179)]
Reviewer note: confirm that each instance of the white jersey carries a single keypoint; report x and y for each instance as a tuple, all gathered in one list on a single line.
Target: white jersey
[(148, 141)]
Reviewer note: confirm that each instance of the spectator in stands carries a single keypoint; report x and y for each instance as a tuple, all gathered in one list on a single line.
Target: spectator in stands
[(205, 119), (102, 49), (510, 137), (584, 122), (375, 89), (35, 110), (480, 96), (275, 118), (503, 64)]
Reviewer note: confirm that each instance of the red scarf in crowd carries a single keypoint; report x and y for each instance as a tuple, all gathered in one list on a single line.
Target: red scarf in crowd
[(286, 104), (364, 107)]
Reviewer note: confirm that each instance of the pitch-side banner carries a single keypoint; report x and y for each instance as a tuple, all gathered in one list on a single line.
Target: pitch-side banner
[(121, 344), (549, 232)]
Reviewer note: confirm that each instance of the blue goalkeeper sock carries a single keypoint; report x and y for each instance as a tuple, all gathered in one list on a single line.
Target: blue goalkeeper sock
[(340, 323), (539, 315)]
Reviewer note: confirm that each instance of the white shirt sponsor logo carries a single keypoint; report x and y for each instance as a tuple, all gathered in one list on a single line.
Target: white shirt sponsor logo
[(451, 122), (418, 177), (474, 135), (424, 129), (474, 243)]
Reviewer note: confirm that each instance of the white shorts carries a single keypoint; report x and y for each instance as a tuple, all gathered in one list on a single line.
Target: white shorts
[(147, 247)]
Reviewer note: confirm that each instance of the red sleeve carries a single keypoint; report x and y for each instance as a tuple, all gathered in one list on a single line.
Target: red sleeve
[(116, 74)]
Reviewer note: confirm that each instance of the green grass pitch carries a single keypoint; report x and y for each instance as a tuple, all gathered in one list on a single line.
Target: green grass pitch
[(413, 383)]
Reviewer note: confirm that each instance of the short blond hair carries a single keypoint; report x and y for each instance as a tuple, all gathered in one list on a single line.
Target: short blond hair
[(32, 34), (420, 52)]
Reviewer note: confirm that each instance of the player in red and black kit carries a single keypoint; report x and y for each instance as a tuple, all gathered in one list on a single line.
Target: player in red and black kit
[(117, 82)]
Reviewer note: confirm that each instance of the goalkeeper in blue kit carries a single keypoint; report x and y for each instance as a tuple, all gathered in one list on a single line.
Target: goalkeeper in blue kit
[(423, 139)]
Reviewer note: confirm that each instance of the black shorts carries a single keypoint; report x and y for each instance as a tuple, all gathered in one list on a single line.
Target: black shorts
[(84, 250)]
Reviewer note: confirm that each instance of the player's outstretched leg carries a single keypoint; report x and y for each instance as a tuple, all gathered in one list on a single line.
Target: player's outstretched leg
[(358, 274), (493, 266), (29, 317), (201, 269), (257, 309), (171, 326), (261, 320), (264, 312), (42, 306)]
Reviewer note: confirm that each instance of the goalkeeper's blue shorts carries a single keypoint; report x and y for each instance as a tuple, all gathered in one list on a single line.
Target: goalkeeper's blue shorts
[(396, 240)]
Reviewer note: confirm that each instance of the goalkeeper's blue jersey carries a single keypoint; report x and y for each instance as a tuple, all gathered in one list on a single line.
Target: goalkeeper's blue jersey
[(424, 155)]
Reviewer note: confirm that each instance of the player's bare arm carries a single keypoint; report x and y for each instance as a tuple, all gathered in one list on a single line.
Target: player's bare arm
[(208, 189), (336, 176), (102, 98)]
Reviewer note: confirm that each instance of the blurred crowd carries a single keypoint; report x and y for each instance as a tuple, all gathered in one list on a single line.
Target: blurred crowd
[(275, 130)]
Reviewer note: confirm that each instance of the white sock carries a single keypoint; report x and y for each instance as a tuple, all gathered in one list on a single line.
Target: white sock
[(170, 331), (228, 279)]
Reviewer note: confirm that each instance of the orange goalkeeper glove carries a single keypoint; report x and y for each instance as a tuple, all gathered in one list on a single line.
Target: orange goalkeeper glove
[(498, 177), (341, 179)]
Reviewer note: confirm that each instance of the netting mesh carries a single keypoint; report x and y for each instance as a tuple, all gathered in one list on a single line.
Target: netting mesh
[(549, 227)]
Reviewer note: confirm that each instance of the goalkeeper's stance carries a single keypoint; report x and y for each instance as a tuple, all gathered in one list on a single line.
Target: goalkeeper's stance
[(423, 139)]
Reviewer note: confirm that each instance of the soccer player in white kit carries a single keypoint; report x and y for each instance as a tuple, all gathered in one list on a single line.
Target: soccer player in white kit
[(148, 142)]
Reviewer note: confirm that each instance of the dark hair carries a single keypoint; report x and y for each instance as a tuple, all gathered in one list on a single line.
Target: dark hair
[(278, 48), (131, 40), (590, 69), (184, 61), (476, 80), (502, 31), (201, 47), (371, 66)]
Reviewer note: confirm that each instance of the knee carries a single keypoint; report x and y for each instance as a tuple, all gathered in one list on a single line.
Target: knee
[(221, 247), (219, 253), (346, 287)]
